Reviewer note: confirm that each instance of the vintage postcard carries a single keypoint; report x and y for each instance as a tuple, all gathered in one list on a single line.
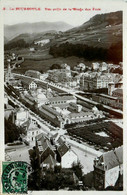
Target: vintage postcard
[(63, 98)]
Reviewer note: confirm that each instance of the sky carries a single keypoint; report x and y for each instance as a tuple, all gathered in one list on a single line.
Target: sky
[(70, 16)]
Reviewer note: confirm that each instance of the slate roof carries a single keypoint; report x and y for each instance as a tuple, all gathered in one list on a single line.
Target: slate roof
[(80, 114), (50, 160), (112, 158), (27, 81), (49, 111), (43, 143), (62, 98), (63, 149)]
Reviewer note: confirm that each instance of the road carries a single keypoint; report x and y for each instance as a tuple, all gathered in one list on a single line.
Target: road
[(49, 129), (70, 91)]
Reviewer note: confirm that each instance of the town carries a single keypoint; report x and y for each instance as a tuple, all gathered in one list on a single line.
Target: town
[(67, 123)]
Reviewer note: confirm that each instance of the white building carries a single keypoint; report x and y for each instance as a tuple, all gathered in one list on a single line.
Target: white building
[(42, 42), (32, 131), (20, 116), (95, 65), (67, 156), (107, 168), (32, 49)]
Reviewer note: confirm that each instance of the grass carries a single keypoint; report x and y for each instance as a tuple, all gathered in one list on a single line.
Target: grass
[(45, 64)]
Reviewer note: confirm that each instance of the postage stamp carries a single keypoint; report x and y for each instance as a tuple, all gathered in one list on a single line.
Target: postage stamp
[(14, 177)]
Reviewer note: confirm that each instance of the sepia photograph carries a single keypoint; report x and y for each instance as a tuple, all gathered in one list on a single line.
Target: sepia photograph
[(63, 96)]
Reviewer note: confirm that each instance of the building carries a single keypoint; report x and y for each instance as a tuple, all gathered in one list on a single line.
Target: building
[(65, 66), (52, 115), (59, 75), (96, 80), (45, 152), (8, 75), (54, 152), (29, 84), (80, 67), (66, 156), (103, 66), (116, 100), (42, 42), (119, 94), (32, 130), (32, 49), (62, 100), (62, 114), (95, 65), (107, 168), (20, 116)]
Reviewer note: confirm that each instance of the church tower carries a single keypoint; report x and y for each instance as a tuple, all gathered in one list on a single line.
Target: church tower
[(8, 75)]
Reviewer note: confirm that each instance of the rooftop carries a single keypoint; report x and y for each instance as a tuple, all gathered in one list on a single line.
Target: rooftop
[(50, 160), (111, 159), (120, 91), (62, 98), (80, 114), (63, 149)]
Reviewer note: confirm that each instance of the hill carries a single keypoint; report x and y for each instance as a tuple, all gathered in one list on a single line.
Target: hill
[(11, 31), (98, 39), (30, 38)]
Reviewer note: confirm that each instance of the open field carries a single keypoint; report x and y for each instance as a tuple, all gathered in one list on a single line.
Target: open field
[(45, 64)]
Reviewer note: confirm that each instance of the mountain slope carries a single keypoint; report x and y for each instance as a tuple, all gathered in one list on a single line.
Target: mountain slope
[(12, 31), (102, 30), (98, 39)]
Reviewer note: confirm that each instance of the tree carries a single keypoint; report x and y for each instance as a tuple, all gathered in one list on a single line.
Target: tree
[(77, 168), (55, 66)]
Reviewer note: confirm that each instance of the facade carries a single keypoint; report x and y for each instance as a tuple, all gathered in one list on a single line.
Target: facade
[(80, 67), (68, 114), (42, 42), (107, 168), (103, 66), (95, 65), (32, 49), (114, 100), (66, 156), (62, 100), (119, 94), (20, 116), (32, 131), (45, 152), (97, 81), (54, 152), (29, 84), (52, 115)]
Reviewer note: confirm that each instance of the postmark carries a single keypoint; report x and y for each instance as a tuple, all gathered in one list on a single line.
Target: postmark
[(14, 177)]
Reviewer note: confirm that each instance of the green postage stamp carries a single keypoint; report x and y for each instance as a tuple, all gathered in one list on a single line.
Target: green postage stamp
[(14, 177)]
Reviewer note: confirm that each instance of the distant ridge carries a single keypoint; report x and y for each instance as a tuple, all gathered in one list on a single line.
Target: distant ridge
[(11, 31)]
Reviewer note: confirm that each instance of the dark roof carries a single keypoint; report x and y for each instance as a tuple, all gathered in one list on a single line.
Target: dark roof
[(48, 110), (111, 159), (27, 81), (80, 114), (61, 140), (63, 149), (120, 91), (50, 160), (43, 143), (62, 98)]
